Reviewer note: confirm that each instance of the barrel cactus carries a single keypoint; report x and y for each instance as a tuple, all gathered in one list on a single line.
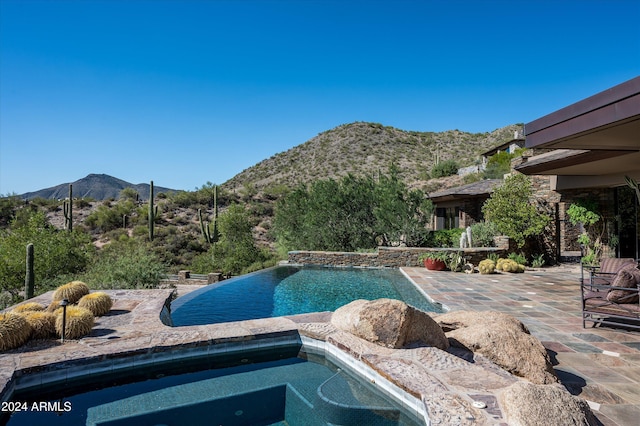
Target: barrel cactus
[(79, 322), (487, 266), (42, 323), (499, 264), (508, 265), (28, 307), (53, 306), (15, 331), (72, 291), (98, 303)]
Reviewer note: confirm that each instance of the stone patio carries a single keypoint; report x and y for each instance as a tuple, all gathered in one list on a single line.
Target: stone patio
[(600, 365)]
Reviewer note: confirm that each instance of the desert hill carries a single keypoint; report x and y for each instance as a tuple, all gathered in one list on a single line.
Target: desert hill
[(96, 186), (365, 149)]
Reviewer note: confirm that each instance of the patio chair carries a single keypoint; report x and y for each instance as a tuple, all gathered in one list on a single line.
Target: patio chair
[(606, 272), (611, 295)]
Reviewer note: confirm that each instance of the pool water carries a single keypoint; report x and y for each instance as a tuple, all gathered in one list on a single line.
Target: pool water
[(301, 390), (291, 290)]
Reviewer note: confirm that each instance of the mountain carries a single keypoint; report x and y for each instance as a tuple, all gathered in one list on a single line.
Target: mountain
[(96, 186), (363, 148)]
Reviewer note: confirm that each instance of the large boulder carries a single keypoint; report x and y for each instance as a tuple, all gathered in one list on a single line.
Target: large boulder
[(527, 404), (501, 338), (390, 323)]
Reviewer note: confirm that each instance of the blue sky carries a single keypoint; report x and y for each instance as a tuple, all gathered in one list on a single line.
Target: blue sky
[(185, 92)]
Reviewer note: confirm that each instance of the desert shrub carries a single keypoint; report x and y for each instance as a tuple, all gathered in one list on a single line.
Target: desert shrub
[(447, 237), (125, 264), (109, 216), (537, 260), (129, 194), (42, 323), (28, 307), (471, 178), (79, 322), (518, 258), (49, 204), (498, 165), (8, 206), (72, 291), (444, 168), (14, 331), (98, 303), (483, 233), (82, 202)]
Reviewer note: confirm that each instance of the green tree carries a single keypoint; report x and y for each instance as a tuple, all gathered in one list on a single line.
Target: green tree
[(330, 215), (57, 254), (512, 212), (352, 214), (402, 215), (290, 220)]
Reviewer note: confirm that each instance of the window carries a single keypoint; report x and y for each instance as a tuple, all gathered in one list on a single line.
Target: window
[(447, 217)]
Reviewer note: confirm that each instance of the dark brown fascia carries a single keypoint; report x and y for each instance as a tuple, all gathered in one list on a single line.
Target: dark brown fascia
[(612, 107), (539, 168)]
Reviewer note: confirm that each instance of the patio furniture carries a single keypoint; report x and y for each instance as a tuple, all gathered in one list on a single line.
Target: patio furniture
[(611, 294)]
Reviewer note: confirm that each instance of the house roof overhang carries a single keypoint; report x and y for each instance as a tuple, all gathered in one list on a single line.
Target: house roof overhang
[(597, 136), (609, 120), (478, 189)]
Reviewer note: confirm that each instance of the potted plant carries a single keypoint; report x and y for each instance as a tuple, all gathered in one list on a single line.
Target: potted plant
[(434, 260)]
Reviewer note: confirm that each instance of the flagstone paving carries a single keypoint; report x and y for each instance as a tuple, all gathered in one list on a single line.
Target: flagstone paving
[(601, 365)]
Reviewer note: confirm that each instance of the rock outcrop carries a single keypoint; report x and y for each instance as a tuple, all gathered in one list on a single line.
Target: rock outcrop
[(527, 404), (501, 338), (390, 323)]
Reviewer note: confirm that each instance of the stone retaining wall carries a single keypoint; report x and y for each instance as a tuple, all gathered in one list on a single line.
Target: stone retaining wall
[(390, 257)]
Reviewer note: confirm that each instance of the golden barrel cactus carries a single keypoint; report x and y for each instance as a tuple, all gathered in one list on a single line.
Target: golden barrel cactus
[(53, 306), (42, 323), (15, 331), (79, 322), (98, 303), (29, 307), (487, 266), (509, 265), (72, 291)]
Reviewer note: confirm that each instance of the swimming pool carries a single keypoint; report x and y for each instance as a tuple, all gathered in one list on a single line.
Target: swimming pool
[(283, 386), (290, 290)]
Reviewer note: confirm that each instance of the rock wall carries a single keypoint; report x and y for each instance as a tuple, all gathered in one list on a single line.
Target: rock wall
[(390, 257)]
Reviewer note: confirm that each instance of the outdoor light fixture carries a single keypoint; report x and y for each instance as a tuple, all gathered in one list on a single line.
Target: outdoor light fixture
[(64, 303)]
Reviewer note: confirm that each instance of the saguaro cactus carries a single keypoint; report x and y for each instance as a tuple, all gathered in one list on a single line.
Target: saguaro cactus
[(29, 279), (153, 212), (210, 235), (67, 209)]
